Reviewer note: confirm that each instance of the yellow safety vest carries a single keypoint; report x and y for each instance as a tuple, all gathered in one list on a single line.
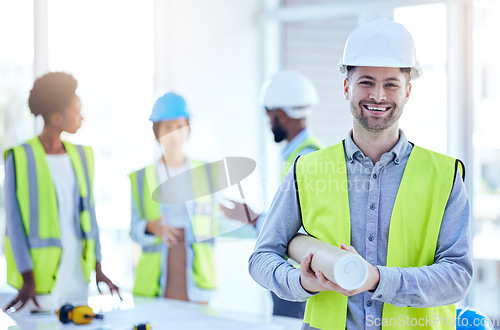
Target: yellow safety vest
[(414, 228), (204, 222), (311, 142), (39, 212)]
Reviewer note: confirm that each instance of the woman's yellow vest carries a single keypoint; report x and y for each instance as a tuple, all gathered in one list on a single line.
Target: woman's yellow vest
[(311, 142), (204, 223), (39, 212), (321, 179)]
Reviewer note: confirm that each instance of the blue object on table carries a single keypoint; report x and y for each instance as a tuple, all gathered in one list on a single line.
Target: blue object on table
[(468, 318)]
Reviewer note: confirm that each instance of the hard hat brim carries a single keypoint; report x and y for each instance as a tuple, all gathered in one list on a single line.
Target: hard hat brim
[(416, 70)]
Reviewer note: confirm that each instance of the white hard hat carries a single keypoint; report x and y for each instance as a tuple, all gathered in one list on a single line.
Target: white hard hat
[(290, 91), (381, 43)]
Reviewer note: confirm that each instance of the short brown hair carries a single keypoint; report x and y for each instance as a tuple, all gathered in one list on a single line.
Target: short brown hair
[(350, 68)]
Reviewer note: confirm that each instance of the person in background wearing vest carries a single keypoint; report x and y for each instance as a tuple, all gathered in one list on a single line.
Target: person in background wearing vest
[(52, 240), (288, 98), (177, 237), (413, 230)]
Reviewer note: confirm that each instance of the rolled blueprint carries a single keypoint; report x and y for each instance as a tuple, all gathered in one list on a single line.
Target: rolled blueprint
[(344, 268)]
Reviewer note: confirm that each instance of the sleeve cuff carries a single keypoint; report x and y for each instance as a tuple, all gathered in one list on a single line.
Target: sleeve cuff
[(146, 239), (98, 255), (25, 268), (388, 285), (297, 289)]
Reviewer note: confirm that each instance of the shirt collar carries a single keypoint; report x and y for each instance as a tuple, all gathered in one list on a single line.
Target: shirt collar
[(295, 143), (398, 151)]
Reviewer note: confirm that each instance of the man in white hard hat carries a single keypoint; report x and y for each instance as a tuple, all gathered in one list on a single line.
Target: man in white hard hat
[(288, 98), (402, 208)]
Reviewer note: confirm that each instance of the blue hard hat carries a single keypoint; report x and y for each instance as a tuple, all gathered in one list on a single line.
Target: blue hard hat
[(468, 318), (169, 107)]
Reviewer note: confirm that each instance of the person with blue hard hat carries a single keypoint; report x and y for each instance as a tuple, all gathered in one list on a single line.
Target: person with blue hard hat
[(175, 226), (169, 107), (170, 264)]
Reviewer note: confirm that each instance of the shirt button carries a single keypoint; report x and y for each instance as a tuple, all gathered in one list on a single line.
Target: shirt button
[(369, 303), (371, 238), (372, 207), (379, 296), (397, 161), (360, 156), (374, 176)]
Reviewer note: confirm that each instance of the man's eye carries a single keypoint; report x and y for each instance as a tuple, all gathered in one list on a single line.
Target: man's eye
[(366, 83)]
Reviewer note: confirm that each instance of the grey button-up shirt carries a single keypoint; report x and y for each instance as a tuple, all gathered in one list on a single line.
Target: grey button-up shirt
[(372, 192)]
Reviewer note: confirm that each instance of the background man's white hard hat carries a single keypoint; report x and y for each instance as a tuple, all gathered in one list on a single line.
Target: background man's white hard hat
[(291, 91), (381, 43)]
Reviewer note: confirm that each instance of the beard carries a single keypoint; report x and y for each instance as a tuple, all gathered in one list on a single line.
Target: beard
[(278, 131), (376, 124)]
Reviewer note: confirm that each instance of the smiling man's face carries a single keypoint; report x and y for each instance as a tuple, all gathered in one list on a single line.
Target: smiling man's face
[(377, 96)]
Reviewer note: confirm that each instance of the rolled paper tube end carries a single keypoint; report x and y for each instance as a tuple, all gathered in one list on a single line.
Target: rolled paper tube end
[(350, 272)]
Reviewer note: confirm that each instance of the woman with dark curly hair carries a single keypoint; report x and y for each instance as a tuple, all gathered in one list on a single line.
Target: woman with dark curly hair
[(52, 242)]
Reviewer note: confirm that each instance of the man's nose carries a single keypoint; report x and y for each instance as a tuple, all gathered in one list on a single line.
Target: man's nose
[(378, 94)]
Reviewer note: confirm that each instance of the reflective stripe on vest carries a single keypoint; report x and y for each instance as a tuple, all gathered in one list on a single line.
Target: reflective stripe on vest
[(140, 187), (204, 223), (34, 239), (310, 142), (322, 186), (88, 226), (39, 211)]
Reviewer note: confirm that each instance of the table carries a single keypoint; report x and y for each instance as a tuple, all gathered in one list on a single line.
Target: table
[(160, 312)]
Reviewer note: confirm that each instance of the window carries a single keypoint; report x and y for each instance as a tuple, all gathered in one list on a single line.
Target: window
[(426, 110), (114, 66), (16, 72), (486, 175)]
